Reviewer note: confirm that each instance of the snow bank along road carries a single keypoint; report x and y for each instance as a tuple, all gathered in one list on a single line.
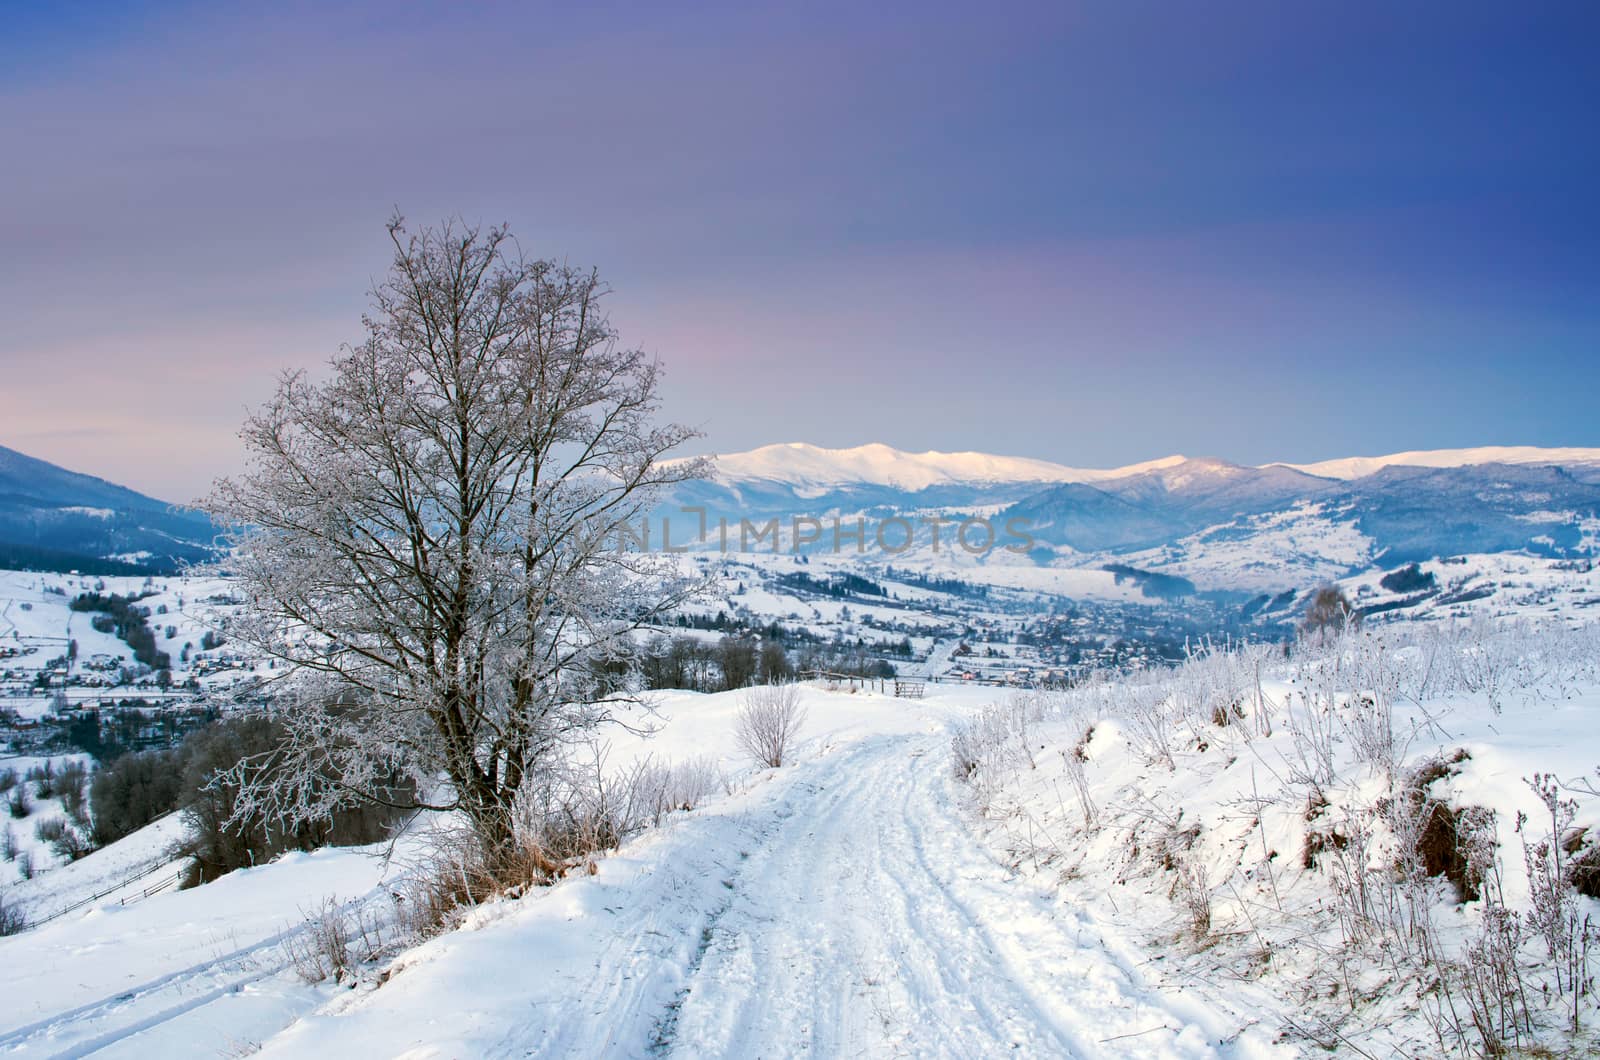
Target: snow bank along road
[(841, 907)]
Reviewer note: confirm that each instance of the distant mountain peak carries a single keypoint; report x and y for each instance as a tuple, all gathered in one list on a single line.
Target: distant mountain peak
[(1185, 470), (802, 464), (811, 466), (1355, 467)]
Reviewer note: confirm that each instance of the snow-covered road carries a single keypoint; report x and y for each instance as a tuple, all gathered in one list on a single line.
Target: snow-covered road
[(868, 923), (843, 907)]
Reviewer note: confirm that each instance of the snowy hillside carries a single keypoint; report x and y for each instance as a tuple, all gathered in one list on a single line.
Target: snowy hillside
[(55, 519), (1197, 862), (1391, 837), (837, 906), (42, 633), (1064, 846)]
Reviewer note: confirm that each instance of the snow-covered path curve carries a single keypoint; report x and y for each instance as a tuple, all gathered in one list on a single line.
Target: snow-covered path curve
[(869, 923), (844, 908)]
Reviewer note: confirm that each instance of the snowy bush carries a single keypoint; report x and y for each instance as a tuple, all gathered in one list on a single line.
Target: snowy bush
[(43, 779), (12, 922), (769, 723), (566, 820), (72, 788), (1152, 722), (989, 746), (334, 943), (665, 788)]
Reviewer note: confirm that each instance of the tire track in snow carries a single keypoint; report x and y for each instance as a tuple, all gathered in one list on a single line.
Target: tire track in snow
[(845, 906), (870, 922), (98, 1025)]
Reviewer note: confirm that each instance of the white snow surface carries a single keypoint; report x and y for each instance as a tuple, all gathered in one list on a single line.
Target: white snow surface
[(803, 465), (1197, 788), (800, 464), (1355, 467), (844, 905)]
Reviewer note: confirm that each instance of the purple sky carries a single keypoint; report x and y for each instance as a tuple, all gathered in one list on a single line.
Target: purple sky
[(1092, 233)]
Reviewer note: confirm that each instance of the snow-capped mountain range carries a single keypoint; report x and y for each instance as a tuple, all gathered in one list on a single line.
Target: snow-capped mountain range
[(805, 465), (809, 466), (1222, 524), (1360, 466), (1217, 522)]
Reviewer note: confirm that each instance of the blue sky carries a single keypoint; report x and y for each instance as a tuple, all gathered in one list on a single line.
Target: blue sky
[(1092, 233)]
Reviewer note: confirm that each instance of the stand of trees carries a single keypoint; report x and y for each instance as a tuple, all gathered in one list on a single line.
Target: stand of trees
[(121, 616), (1329, 612), (738, 661), (1411, 579), (134, 790), (838, 586), (712, 666)]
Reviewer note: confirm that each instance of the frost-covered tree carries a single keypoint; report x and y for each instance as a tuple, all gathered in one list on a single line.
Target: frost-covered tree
[(433, 537)]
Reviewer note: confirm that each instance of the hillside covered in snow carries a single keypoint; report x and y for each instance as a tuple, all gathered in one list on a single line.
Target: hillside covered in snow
[(59, 520), (1380, 846)]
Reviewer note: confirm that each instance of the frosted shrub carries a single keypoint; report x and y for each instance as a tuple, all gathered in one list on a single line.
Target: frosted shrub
[(1554, 912), (1368, 722), (769, 723), (1489, 661), (968, 747), (1074, 761), (1312, 724), (334, 943), (1151, 722), (578, 810), (562, 822), (988, 748), (1211, 689), (662, 789), (1193, 888)]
